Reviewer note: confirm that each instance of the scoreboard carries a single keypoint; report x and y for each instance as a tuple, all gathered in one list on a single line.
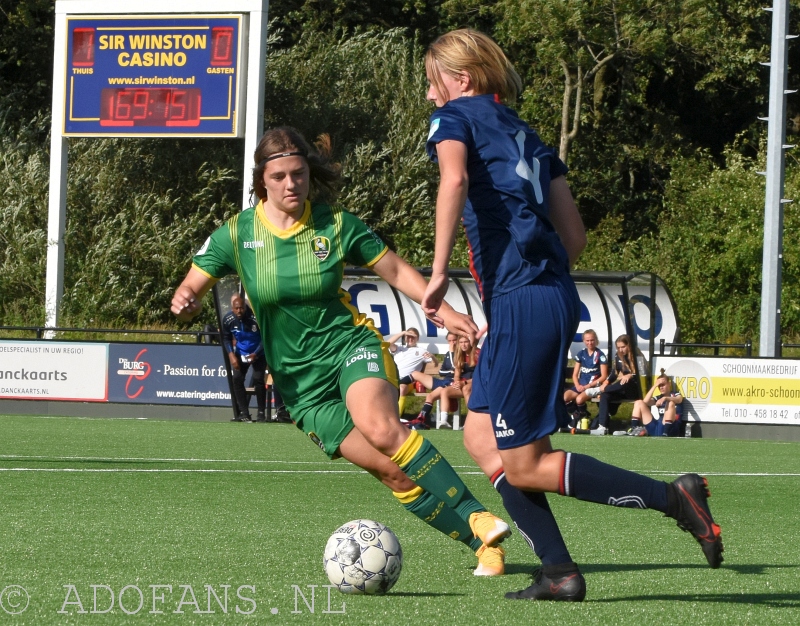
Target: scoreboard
[(161, 75)]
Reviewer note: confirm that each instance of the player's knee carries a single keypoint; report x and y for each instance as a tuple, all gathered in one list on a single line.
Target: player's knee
[(384, 438), (523, 479)]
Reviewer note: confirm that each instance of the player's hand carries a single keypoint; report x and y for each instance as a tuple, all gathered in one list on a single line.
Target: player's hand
[(185, 305), (434, 294), (234, 361), (458, 323)]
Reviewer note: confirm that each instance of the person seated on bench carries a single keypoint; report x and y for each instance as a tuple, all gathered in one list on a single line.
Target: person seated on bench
[(590, 371), (669, 408), (465, 360), (446, 372), (408, 358), (622, 384)]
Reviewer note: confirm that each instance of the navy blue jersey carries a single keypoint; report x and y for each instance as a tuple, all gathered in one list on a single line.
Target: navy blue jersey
[(241, 335), (663, 408), (447, 370), (620, 369), (590, 365), (506, 216)]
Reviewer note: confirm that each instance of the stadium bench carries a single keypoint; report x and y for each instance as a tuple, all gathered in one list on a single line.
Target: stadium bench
[(433, 370)]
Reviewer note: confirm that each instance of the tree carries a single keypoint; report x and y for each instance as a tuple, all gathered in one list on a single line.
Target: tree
[(26, 59), (608, 50)]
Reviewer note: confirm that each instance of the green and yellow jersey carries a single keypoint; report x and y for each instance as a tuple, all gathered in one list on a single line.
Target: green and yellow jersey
[(293, 279)]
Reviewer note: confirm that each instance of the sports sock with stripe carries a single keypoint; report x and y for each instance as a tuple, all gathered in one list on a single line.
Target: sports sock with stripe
[(532, 516), (426, 467), (438, 515), (586, 478)]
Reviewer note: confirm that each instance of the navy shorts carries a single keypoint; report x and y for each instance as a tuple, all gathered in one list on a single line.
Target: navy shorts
[(657, 428), (441, 382), (519, 379)]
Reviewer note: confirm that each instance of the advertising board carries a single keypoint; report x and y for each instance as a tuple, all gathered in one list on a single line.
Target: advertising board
[(747, 391), (167, 374), (163, 75), (53, 370)]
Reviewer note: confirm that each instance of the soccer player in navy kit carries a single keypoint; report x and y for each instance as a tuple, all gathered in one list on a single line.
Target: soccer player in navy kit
[(524, 232), (590, 372), (669, 406)]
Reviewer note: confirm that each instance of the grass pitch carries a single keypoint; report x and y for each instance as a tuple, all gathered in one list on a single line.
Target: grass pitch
[(169, 516)]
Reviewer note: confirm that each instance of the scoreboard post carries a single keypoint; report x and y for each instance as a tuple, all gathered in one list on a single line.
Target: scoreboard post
[(150, 68)]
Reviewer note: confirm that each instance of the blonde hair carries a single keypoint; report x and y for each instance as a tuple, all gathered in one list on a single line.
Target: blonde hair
[(471, 52), (462, 358)]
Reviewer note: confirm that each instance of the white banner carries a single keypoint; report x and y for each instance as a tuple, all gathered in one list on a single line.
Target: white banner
[(747, 391), (375, 299), (53, 370)]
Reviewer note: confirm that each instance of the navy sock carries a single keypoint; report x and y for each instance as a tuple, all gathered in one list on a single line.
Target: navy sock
[(586, 478), (532, 516)]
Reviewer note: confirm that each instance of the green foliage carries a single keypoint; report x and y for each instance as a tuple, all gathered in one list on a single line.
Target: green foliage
[(708, 247), (23, 224), (26, 59), (136, 211), (377, 116), (136, 247), (662, 150)]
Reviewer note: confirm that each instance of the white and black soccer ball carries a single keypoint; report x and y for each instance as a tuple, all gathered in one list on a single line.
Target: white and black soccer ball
[(363, 556)]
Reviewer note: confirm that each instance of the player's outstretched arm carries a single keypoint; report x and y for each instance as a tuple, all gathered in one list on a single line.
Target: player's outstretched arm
[(187, 300), (410, 282)]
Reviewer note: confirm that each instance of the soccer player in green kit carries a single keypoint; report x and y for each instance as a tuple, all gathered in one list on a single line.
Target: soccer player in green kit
[(332, 366)]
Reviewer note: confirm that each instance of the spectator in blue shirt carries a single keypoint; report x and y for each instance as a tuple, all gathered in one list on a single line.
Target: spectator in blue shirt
[(242, 340)]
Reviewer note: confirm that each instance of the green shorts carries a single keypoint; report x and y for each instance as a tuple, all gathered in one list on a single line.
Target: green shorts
[(327, 423)]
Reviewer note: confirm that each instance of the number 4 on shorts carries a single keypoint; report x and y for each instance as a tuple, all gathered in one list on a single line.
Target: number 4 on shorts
[(500, 423)]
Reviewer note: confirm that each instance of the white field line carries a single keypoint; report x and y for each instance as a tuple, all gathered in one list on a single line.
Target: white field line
[(470, 469), (124, 470), (111, 459), (105, 459)]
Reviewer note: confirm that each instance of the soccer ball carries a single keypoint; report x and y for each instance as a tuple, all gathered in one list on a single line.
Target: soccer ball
[(363, 556)]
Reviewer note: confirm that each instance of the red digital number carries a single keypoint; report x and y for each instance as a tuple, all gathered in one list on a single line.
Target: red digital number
[(150, 107), (83, 47), (222, 46)]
